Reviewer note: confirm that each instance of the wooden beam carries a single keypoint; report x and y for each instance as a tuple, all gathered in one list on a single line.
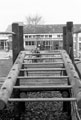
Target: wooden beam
[(43, 77), (69, 40), (41, 99), (7, 87), (64, 37), (74, 79), (43, 69), (43, 88), (17, 40), (32, 58)]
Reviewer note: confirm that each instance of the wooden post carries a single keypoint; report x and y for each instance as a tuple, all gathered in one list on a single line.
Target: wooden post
[(15, 41), (17, 46), (64, 37), (21, 42), (69, 40)]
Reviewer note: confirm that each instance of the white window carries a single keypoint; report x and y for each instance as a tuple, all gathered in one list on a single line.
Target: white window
[(26, 36), (46, 36), (79, 38), (58, 35), (50, 36), (80, 46), (29, 43)]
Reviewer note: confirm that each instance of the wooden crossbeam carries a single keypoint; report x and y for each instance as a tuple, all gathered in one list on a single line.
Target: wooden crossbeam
[(54, 53), (43, 69), (7, 87), (42, 77), (61, 82), (28, 58), (46, 63), (41, 99), (43, 88)]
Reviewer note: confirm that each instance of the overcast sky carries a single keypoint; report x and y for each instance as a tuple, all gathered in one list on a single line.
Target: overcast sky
[(52, 11)]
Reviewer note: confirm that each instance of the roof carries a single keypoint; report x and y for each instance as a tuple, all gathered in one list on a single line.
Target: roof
[(39, 29), (42, 29)]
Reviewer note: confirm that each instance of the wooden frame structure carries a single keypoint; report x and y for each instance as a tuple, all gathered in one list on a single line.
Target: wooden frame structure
[(68, 82)]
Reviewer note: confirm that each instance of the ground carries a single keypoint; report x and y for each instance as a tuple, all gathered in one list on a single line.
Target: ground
[(5, 64)]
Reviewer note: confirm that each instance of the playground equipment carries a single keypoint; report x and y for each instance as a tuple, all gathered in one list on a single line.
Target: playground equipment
[(55, 72)]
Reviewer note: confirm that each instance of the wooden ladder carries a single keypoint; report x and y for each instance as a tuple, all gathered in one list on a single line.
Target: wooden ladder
[(52, 71)]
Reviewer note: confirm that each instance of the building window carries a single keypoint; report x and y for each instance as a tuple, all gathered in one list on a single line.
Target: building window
[(80, 46), (46, 36), (42, 36), (50, 36), (32, 42), (26, 43), (58, 35), (37, 36), (29, 43), (30, 36), (26, 36), (79, 38), (34, 36)]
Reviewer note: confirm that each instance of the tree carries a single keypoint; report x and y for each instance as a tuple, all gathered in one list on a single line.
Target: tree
[(35, 20)]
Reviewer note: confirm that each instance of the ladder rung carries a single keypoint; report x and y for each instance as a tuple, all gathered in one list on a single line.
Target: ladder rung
[(42, 58), (42, 88), (43, 69), (40, 99), (45, 83), (53, 53), (43, 77), (46, 63)]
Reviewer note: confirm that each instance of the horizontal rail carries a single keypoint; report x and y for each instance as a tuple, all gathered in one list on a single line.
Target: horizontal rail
[(43, 69), (46, 63), (42, 58), (43, 77), (46, 83), (7, 87), (74, 79), (54, 53), (41, 99), (43, 88)]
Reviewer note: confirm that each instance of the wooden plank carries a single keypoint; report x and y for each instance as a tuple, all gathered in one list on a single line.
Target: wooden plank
[(74, 79), (64, 37), (42, 77), (44, 66), (43, 88), (33, 54), (41, 99), (43, 69), (32, 58), (46, 63), (43, 83), (69, 40), (7, 87)]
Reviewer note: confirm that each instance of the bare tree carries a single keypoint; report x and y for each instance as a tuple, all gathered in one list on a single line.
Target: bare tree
[(35, 20)]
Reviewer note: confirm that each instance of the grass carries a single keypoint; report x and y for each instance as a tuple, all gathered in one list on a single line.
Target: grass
[(5, 66)]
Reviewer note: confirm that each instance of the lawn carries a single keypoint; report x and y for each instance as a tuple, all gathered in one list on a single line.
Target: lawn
[(5, 66)]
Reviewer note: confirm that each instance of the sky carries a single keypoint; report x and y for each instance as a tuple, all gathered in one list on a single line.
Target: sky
[(52, 11)]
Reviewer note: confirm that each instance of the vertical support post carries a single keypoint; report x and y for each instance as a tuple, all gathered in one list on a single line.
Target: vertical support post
[(77, 45), (69, 40), (64, 37), (15, 41), (17, 46), (21, 44)]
